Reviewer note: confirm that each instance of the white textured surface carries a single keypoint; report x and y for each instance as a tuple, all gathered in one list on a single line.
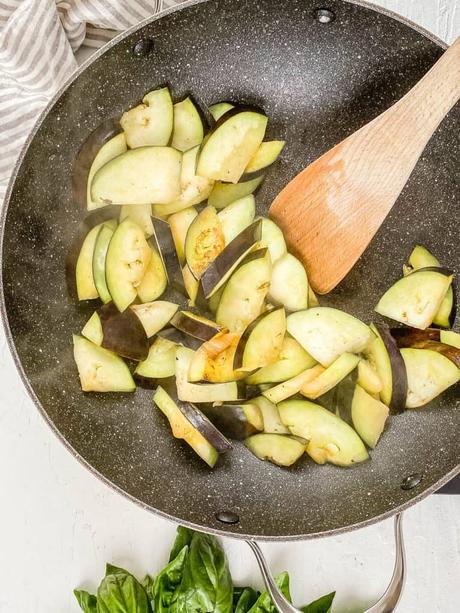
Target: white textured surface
[(59, 524)]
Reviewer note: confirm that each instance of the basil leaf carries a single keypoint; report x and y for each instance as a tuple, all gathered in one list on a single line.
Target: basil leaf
[(247, 597), (87, 602), (167, 582), (322, 605), (114, 570), (206, 585), (183, 538), (147, 584), (121, 592), (264, 603)]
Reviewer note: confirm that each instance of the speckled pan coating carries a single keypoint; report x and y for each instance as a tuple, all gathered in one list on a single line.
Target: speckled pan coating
[(318, 83)]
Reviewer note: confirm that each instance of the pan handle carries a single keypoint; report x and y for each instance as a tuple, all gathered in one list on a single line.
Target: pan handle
[(386, 604)]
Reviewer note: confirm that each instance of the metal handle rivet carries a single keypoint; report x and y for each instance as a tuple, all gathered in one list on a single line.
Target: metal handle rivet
[(411, 481), (143, 47), (227, 517), (324, 15)]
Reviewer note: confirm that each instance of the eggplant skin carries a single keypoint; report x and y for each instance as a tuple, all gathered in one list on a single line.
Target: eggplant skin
[(123, 333), (198, 419), (229, 257), (409, 338), (85, 156), (231, 421), (88, 223), (398, 370)]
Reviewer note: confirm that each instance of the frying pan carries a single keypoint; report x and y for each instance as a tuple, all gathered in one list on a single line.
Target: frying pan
[(319, 75)]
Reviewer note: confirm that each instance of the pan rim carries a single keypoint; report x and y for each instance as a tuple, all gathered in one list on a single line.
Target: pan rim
[(12, 347)]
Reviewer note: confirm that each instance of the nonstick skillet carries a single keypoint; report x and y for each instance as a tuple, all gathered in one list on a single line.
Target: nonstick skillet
[(320, 74)]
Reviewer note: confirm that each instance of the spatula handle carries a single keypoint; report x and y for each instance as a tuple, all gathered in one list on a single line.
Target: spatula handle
[(421, 110)]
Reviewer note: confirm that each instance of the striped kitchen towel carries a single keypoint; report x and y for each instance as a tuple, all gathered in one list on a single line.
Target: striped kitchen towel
[(38, 40)]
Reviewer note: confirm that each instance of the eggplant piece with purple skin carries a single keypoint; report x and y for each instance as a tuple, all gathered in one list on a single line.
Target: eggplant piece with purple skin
[(195, 325), (85, 157), (426, 339), (91, 221), (189, 423), (163, 241), (177, 336), (123, 333), (236, 421), (261, 342), (383, 353), (218, 272)]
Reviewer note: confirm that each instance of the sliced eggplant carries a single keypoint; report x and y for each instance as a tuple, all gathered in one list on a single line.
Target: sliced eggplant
[(110, 150), (140, 214), (261, 342), (429, 373), (237, 216), (96, 218), (160, 361), (422, 258), (99, 256), (123, 333), (368, 378), (223, 194), (279, 449), (100, 370), (292, 360), (180, 223), (92, 330), (155, 281), (204, 241), (265, 156), (86, 287), (368, 416), (452, 353), (178, 337), (272, 423), (151, 122), (244, 294), (154, 316), (219, 109), (195, 325), (329, 378), (164, 243), (330, 439), (213, 361), (194, 189), (414, 300), (214, 299), (219, 271), (86, 155), (237, 421), (189, 424), (289, 283), (231, 145), (289, 388), (206, 392), (312, 298), (272, 237), (450, 338), (192, 285), (326, 333), (385, 357), (188, 129), (139, 176)]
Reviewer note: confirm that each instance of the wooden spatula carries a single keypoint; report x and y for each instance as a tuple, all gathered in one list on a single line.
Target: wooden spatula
[(332, 209)]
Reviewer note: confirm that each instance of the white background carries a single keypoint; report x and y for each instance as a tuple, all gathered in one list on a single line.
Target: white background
[(59, 524)]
